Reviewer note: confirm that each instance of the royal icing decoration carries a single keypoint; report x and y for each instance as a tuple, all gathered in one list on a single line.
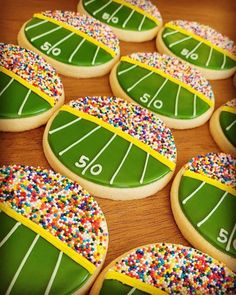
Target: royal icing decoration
[(228, 121), (72, 38), (135, 15), (199, 45), (56, 209), (28, 82), (214, 176), (167, 269), (127, 132), (178, 91)]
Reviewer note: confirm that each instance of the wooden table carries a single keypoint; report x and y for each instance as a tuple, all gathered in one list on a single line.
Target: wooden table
[(131, 223)]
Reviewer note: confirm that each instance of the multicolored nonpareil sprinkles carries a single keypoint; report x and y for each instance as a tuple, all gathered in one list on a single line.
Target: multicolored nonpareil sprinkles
[(177, 69), (206, 33), (88, 25), (147, 6), (58, 205), (231, 103), (221, 167), (32, 68), (176, 269), (132, 119)]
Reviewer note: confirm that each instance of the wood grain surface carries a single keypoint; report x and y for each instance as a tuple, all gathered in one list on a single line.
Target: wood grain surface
[(131, 223)]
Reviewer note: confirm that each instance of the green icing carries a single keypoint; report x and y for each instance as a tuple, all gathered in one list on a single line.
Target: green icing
[(73, 50), (189, 106), (37, 271), (219, 227), (125, 18), (203, 56), (117, 288), (228, 127), (12, 98), (102, 169)]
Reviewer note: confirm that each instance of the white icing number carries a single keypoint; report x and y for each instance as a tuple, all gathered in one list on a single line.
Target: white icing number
[(157, 103), (185, 52), (46, 47), (145, 98), (84, 161), (224, 236), (106, 16)]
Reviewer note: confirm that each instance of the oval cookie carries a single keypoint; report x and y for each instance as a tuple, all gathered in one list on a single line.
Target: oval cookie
[(203, 200), (131, 20), (53, 235), (165, 85), (208, 50), (30, 89), (223, 127), (161, 269), (78, 46), (114, 149)]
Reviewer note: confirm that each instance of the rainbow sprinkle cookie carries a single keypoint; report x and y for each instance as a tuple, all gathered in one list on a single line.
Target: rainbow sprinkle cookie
[(62, 217), (32, 68), (128, 133), (77, 45), (203, 200), (200, 45), (165, 85), (165, 269), (223, 127), (30, 89), (131, 20)]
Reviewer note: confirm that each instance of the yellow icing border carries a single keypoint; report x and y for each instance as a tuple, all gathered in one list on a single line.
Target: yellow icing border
[(137, 9), (91, 268), (133, 282), (181, 30), (76, 31), (211, 181), (122, 134), (228, 109), (36, 90), (169, 77)]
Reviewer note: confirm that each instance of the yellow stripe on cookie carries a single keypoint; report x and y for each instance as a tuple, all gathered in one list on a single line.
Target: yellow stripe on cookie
[(36, 90), (139, 10), (76, 31), (211, 181), (50, 238), (228, 109), (113, 275), (122, 134), (181, 30), (169, 77)]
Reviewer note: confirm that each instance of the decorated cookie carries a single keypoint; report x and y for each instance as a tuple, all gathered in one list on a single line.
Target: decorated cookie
[(162, 269), (165, 85), (234, 80), (53, 235), (131, 20), (223, 127), (208, 50), (203, 200), (78, 46), (113, 148), (30, 89)]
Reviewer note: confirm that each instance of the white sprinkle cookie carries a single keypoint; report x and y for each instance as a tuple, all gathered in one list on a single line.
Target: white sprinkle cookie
[(203, 201), (53, 234), (165, 85), (162, 269), (131, 20), (77, 46), (223, 127), (113, 148), (208, 50), (30, 89)]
